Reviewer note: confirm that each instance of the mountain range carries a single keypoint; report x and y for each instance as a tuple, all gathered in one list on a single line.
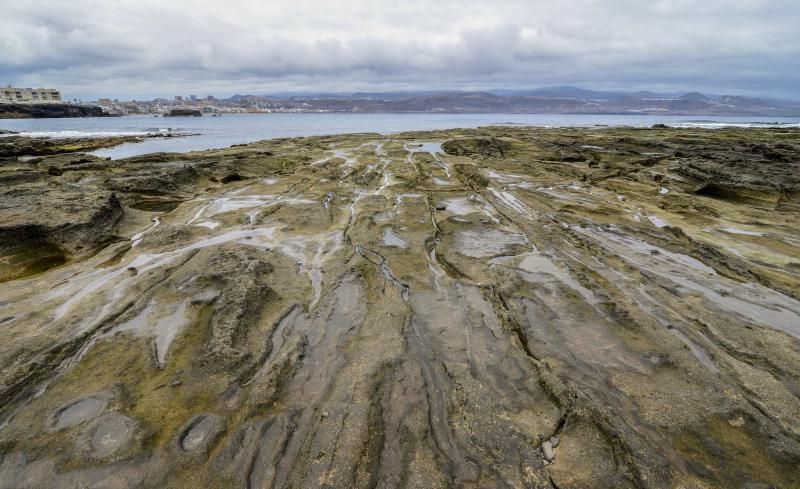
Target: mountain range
[(555, 100)]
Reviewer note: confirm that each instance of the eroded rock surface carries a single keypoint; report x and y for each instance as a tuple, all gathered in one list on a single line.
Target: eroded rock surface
[(502, 307)]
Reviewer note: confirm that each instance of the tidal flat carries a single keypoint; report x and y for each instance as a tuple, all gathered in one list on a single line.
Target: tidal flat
[(481, 308)]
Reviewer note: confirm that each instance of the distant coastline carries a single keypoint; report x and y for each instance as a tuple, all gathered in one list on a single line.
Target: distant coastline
[(50, 111), (205, 133), (552, 100), (548, 101)]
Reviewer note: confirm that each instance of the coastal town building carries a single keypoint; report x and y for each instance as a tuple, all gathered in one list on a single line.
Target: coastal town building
[(207, 105), (15, 95)]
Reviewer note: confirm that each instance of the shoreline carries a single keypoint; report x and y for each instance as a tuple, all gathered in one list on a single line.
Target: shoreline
[(114, 141)]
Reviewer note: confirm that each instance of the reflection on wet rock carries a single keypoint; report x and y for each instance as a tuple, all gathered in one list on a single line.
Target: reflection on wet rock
[(200, 432), (79, 411)]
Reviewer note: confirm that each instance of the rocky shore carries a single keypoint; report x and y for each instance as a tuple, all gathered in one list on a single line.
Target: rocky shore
[(41, 111), (183, 113), (13, 146), (499, 307)]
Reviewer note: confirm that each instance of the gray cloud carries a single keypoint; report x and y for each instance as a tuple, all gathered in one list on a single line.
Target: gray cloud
[(141, 48)]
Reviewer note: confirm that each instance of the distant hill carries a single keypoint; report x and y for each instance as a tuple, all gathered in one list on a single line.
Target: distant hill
[(696, 96), (566, 91)]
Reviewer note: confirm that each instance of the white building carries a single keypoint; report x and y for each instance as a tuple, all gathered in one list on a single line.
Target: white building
[(10, 94)]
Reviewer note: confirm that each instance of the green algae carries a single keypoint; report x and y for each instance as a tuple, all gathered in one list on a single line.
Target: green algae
[(728, 454)]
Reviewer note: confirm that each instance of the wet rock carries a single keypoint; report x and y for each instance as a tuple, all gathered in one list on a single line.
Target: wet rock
[(392, 239), (528, 305), (27, 146), (477, 146), (471, 175), (171, 183), (49, 110), (481, 243), (36, 235), (79, 411), (85, 219), (108, 435), (736, 422), (239, 272), (153, 203), (548, 452), (232, 177), (205, 297), (200, 432), (183, 113)]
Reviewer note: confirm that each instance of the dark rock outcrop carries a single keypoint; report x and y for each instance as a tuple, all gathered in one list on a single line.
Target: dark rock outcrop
[(183, 113), (480, 146), (12, 146), (43, 111), (83, 219)]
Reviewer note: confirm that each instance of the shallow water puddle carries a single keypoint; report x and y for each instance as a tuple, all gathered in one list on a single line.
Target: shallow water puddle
[(487, 242), (228, 204), (167, 328), (424, 147), (743, 232), (657, 221), (754, 302), (511, 201), (208, 224), (137, 238), (121, 278), (536, 268), (391, 239)]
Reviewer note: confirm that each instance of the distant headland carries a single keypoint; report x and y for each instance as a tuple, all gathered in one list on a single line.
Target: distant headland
[(35, 103)]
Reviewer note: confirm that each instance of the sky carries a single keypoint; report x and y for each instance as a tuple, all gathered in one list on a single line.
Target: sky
[(147, 48)]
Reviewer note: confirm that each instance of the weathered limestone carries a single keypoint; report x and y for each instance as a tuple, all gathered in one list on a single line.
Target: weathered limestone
[(501, 307)]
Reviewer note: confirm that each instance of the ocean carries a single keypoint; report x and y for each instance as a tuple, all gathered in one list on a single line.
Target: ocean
[(219, 132)]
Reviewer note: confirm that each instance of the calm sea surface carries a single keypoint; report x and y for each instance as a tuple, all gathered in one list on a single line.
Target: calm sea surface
[(220, 132)]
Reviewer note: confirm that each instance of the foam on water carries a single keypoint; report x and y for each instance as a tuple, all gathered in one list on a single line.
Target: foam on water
[(80, 134), (724, 124)]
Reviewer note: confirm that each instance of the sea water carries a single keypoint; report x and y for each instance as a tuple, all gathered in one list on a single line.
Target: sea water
[(220, 132)]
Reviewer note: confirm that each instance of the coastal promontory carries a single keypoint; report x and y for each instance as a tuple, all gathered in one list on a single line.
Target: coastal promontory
[(50, 110)]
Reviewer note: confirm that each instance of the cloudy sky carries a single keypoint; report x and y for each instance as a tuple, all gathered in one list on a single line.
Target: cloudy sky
[(146, 48)]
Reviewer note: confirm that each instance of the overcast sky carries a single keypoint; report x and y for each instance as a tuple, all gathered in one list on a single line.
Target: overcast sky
[(146, 48)]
